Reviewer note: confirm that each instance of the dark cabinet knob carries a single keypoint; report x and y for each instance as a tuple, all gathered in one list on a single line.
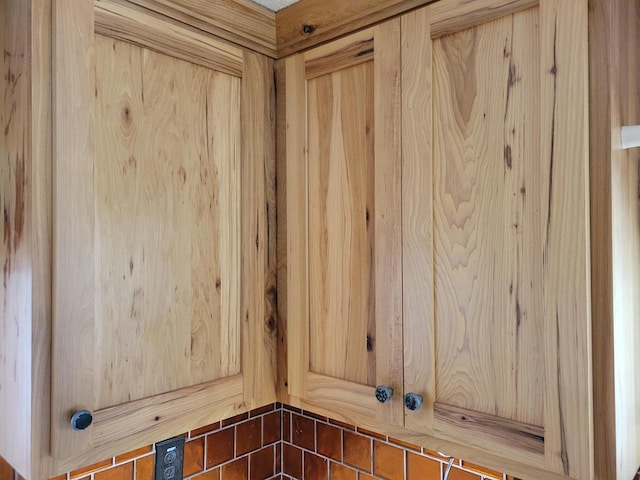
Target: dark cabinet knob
[(384, 394), (413, 401), (81, 419)]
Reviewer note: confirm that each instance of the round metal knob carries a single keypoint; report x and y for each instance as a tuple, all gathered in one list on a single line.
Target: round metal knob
[(384, 394), (413, 401), (81, 419)]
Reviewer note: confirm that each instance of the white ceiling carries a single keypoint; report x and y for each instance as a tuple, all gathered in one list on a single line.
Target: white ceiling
[(275, 5)]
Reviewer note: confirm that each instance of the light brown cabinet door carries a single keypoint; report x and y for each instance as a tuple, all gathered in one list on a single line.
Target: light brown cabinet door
[(161, 138), (343, 224), (495, 228)]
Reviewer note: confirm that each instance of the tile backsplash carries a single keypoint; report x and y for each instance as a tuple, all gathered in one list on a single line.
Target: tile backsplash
[(285, 443)]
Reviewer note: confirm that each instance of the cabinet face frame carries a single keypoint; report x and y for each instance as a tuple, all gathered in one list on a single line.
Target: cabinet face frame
[(130, 425), (564, 444), (379, 45)]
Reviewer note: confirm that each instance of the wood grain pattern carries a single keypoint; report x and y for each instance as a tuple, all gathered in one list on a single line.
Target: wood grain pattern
[(281, 226), (614, 98), (16, 196), (73, 234), (167, 223), (124, 21), (343, 246), (451, 16), (258, 231), (417, 217), (41, 141), (329, 19), (297, 226), (350, 56), (239, 21), (482, 428), (342, 213), (488, 190)]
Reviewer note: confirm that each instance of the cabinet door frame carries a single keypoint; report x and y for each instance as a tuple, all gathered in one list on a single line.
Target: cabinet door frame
[(348, 399), (131, 425), (564, 444)]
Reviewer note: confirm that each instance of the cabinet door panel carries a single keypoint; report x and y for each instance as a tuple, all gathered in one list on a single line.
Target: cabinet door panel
[(158, 191), (504, 363), (344, 270)]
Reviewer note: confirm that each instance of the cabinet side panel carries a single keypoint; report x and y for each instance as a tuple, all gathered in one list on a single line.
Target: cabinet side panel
[(15, 249)]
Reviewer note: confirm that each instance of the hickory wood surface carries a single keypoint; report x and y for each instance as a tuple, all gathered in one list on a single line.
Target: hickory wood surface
[(350, 56), (351, 333), (487, 195), (342, 211), (239, 21), (417, 214), (504, 218), (329, 19), (167, 173), (16, 250), (42, 208), (615, 236), (73, 232), (131, 23), (258, 231)]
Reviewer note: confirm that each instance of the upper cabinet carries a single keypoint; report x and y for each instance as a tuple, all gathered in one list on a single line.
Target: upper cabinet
[(438, 231), (163, 185), (344, 223)]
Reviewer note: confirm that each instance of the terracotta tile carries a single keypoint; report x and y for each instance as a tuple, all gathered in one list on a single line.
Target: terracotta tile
[(145, 467), (134, 453), (315, 416), (59, 477), (261, 464), (208, 475), (220, 447), (292, 460), (6, 470), (303, 432), (481, 469), (329, 441), (388, 461), (248, 436), (422, 468), (348, 426), (262, 410), (340, 472), (433, 453), (278, 457), (193, 457), (235, 419), (238, 470), (315, 467), (372, 434), (206, 429), (271, 428), (364, 476), (121, 472), (286, 426), (403, 444), (81, 472), (457, 474), (357, 451)]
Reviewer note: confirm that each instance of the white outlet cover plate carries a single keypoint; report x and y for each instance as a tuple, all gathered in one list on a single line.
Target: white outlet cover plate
[(275, 5)]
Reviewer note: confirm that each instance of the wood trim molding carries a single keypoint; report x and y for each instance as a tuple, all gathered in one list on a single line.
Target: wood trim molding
[(311, 22), (126, 21), (239, 21)]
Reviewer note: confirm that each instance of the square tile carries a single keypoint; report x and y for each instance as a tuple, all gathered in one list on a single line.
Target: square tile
[(388, 461), (357, 451), (248, 436)]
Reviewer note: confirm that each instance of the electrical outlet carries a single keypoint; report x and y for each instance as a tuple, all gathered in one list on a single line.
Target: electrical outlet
[(169, 459)]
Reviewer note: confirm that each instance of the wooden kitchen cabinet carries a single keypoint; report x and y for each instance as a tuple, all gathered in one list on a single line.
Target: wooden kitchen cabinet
[(138, 189), (460, 235)]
